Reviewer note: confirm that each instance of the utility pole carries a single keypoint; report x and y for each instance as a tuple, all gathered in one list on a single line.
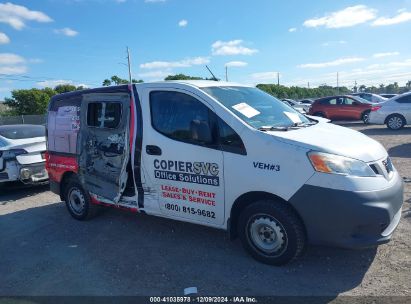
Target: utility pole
[(278, 78), (308, 84), (338, 84), (226, 73), (129, 65)]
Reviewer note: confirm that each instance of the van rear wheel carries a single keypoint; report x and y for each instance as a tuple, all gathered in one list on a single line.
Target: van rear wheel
[(78, 201), (271, 232)]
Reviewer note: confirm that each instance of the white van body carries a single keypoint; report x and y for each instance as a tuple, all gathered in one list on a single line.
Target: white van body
[(266, 184)]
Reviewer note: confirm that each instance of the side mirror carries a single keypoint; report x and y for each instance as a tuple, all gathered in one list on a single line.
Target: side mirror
[(356, 103), (200, 131)]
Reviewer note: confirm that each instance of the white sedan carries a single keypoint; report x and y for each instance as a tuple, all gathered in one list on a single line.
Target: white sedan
[(22, 154), (395, 112)]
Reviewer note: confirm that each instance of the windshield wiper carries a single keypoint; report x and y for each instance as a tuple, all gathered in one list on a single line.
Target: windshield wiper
[(305, 124), (272, 128), (286, 128)]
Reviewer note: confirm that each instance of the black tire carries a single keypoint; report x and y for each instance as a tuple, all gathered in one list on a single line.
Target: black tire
[(395, 122), (320, 114), (259, 222), (365, 117), (78, 201)]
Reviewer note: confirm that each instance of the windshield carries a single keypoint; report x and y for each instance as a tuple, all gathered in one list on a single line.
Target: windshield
[(22, 131), (257, 108), (362, 100)]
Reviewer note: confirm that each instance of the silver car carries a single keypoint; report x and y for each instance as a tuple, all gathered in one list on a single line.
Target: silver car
[(22, 154), (373, 98), (395, 113)]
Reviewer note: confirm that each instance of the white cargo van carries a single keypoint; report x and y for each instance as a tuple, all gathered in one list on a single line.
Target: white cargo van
[(222, 155)]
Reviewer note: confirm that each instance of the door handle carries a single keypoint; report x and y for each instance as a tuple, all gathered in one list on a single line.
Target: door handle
[(153, 150)]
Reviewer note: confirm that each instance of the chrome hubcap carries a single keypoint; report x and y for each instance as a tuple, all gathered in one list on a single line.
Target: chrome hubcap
[(267, 234), (76, 201), (395, 122)]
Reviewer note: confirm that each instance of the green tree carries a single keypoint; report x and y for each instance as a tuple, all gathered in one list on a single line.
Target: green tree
[(64, 88), (28, 102), (182, 77), (118, 81)]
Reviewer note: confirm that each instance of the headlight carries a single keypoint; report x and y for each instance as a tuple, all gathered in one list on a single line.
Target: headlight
[(330, 163)]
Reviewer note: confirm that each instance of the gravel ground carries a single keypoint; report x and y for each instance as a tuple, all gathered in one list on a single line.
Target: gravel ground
[(45, 252)]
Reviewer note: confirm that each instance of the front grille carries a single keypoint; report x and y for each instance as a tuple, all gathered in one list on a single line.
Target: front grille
[(4, 175)]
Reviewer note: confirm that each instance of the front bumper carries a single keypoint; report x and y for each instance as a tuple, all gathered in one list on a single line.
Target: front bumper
[(28, 174), (350, 219)]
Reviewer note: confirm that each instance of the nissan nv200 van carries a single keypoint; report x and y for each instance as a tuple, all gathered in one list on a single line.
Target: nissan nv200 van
[(222, 155)]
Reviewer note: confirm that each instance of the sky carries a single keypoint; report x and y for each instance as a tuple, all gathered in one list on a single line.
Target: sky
[(82, 42)]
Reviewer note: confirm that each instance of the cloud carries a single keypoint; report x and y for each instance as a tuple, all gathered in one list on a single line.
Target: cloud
[(11, 59), (121, 1), (12, 64), (236, 64), (13, 70), (53, 83), (154, 1), (403, 16), (292, 29), (387, 54), (16, 15), (4, 39), (373, 74), (66, 32), (155, 75), (328, 43), (185, 63), (233, 47), (182, 23), (36, 60), (336, 62), (346, 17), (264, 76)]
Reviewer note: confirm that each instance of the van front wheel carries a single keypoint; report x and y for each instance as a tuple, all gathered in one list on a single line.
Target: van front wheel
[(271, 232), (78, 201)]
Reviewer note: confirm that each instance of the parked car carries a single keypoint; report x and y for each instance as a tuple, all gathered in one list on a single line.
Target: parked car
[(22, 154), (395, 113), (307, 101), (374, 98), (226, 156), (343, 107), (388, 96), (300, 107)]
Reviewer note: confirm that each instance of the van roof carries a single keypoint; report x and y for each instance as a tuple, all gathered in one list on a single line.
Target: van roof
[(124, 87)]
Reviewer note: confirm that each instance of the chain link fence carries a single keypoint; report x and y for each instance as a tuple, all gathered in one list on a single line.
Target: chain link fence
[(23, 119)]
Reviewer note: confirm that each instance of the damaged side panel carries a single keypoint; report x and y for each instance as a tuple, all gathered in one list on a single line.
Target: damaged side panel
[(104, 145)]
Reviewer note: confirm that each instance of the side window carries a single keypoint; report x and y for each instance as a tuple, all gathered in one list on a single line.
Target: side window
[(325, 102), (230, 141), (104, 114), (348, 101), (181, 117), (332, 101), (404, 99)]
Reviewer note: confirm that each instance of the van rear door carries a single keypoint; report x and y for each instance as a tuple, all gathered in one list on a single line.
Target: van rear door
[(104, 144)]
